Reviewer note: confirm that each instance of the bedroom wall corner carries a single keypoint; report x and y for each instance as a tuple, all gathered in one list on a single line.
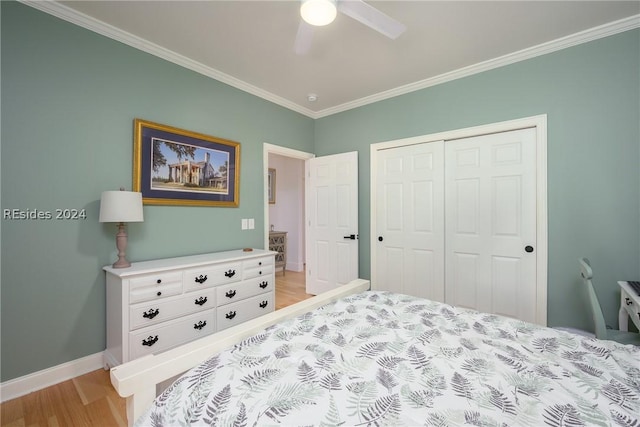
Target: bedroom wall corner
[(69, 98)]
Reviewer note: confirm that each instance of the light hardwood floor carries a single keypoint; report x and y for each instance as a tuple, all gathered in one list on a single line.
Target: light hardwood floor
[(90, 400), (290, 288)]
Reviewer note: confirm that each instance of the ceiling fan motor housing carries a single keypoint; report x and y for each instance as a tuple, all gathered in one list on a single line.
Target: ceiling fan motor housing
[(318, 12)]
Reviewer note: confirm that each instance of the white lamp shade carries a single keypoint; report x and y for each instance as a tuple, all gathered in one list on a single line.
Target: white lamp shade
[(318, 12), (121, 206)]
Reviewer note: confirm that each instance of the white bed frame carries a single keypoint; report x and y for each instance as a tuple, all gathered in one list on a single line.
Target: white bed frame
[(137, 380)]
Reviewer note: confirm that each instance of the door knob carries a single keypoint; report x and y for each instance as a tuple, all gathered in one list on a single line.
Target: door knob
[(528, 248), (380, 239)]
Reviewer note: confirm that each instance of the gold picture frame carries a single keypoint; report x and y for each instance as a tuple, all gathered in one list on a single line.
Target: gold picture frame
[(271, 184), (173, 166)]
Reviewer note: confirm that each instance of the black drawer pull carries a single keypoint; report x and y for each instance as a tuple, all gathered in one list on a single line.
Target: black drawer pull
[(150, 341), (151, 313), (201, 300), (200, 325), (260, 263), (263, 304), (159, 281), (628, 300), (230, 294), (263, 284), (201, 279), (159, 293), (230, 315), (230, 273)]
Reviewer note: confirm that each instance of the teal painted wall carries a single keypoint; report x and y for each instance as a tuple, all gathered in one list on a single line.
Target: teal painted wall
[(69, 97), (591, 94)]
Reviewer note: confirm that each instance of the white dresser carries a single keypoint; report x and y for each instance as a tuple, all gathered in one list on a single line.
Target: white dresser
[(156, 305)]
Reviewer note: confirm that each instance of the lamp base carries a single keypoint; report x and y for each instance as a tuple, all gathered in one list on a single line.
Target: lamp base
[(121, 244), (121, 263)]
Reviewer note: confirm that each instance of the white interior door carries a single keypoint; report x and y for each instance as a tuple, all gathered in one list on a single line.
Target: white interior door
[(410, 220), (331, 221), (490, 186)]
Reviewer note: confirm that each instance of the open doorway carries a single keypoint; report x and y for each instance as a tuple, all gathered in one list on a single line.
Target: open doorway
[(284, 215)]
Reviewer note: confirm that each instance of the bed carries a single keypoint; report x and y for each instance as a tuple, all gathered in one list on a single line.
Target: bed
[(359, 357)]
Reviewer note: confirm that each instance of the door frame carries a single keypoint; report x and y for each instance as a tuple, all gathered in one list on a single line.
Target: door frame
[(540, 124), (282, 151)]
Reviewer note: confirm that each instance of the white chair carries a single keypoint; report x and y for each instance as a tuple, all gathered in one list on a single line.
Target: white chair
[(598, 319)]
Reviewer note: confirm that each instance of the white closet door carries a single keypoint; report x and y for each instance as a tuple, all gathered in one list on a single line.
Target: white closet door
[(410, 220), (491, 223)]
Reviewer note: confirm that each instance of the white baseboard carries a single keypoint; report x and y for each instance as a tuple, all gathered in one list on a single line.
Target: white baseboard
[(47, 377), (295, 266)]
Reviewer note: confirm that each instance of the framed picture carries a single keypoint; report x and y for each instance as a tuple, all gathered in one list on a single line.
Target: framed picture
[(271, 182), (173, 166)]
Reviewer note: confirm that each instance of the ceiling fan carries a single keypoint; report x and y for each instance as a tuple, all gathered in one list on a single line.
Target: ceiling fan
[(323, 12)]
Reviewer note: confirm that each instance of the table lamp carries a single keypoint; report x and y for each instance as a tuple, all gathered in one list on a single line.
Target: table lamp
[(121, 206)]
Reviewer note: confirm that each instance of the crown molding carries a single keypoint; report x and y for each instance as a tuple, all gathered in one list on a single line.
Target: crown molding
[(585, 36), (68, 14)]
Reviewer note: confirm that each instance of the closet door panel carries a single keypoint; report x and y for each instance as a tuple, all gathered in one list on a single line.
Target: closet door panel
[(423, 195), (467, 206), (505, 293), (410, 220), (393, 215), (491, 216), (462, 280), (391, 270), (507, 211), (424, 279)]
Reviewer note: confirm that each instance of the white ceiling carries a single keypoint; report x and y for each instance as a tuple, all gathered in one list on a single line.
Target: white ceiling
[(249, 44)]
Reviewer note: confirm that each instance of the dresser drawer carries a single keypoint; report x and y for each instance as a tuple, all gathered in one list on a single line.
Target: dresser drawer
[(265, 270), (207, 276), (629, 305), (155, 339), (241, 311), (155, 279), (150, 313), (156, 291), (245, 289), (257, 262)]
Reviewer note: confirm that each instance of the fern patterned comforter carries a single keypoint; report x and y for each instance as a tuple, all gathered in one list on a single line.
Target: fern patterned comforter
[(379, 358)]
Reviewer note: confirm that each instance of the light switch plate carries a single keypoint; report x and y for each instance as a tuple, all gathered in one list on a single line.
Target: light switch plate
[(252, 224), (245, 224)]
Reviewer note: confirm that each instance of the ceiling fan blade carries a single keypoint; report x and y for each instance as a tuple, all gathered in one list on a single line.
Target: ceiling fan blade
[(304, 37), (371, 17)]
